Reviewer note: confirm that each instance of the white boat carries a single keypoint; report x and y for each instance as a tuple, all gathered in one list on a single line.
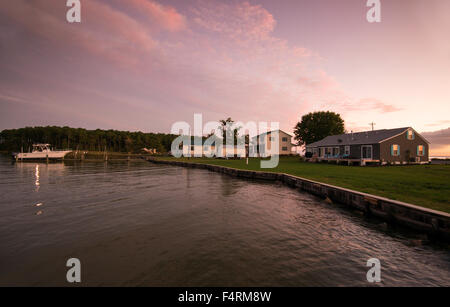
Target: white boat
[(41, 151)]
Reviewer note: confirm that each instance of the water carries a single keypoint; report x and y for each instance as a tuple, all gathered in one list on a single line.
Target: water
[(134, 223)]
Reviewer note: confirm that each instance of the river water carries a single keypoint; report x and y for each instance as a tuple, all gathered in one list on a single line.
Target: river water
[(139, 224)]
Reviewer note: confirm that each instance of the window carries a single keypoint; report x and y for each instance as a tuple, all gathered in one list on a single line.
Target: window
[(284, 139), (284, 148), (347, 150), (328, 151), (420, 150), (395, 150), (335, 151), (366, 152), (410, 135)]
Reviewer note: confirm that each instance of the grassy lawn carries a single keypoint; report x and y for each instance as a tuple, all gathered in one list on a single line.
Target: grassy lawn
[(423, 185)]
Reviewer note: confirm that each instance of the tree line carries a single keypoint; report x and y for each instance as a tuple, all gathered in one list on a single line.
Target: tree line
[(313, 127), (82, 139)]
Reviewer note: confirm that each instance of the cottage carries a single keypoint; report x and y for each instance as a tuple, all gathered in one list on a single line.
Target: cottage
[(210, 147), (396, 146), (264, 145)]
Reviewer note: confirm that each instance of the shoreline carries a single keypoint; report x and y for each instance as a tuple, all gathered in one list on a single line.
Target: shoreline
[(434, 223), (88, 157)]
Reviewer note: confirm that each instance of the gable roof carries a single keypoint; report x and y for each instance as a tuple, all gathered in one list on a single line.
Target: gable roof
[(359, 138), (193, 140), (269, 132)]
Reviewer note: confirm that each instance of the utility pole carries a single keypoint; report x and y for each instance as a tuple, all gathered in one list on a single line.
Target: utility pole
[(372, 124)]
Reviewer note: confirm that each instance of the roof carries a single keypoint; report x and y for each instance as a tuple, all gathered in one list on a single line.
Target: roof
[(198, 139), (271, 132), (359, 138)]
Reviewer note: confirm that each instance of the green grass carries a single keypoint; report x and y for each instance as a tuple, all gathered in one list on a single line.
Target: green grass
[(423, 185)]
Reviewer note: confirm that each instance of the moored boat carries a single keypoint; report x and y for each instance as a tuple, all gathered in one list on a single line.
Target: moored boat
[(41, 151)]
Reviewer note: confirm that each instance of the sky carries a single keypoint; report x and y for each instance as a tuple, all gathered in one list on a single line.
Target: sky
[(144, 64)]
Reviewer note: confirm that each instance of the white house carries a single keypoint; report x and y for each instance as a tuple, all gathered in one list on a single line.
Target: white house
[(275, 142), (201, 147)]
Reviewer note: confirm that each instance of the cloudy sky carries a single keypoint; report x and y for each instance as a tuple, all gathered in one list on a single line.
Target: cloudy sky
[(145, 64)]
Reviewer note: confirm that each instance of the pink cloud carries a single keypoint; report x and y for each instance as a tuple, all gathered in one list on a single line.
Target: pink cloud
[(339, 101), (241, 21), (440, 142), (104, 31), (439, 123), (376, 104), (439, 137), (165, 17), (322, 81), (227, 63)]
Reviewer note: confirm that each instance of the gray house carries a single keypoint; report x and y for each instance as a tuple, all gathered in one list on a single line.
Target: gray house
[(396, 146)]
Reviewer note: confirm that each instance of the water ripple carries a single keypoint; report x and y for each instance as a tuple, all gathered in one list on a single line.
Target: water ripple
[(170, 226)]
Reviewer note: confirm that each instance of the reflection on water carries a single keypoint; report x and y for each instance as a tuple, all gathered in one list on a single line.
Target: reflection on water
[(141, 224), (36, 174)]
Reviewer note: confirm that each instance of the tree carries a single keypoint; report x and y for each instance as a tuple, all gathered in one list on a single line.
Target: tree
[(318, 125), (229, 130), (82, 139)]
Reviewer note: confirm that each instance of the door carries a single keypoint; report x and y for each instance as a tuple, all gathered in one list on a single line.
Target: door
[(366, 152)]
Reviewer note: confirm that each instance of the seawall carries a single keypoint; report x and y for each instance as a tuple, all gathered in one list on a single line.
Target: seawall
[(434, 223)]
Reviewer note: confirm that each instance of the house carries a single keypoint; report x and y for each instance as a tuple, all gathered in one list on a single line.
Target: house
[(265, 144), (151, 151), (201, 147), (395, 146)]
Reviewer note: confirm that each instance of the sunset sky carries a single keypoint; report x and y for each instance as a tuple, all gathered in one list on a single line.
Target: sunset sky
[(144, 64)]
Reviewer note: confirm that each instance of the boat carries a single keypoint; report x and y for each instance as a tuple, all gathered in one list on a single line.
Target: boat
[(41, 151)]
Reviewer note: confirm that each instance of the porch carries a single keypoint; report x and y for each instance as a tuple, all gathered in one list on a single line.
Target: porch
[(344, 160)]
